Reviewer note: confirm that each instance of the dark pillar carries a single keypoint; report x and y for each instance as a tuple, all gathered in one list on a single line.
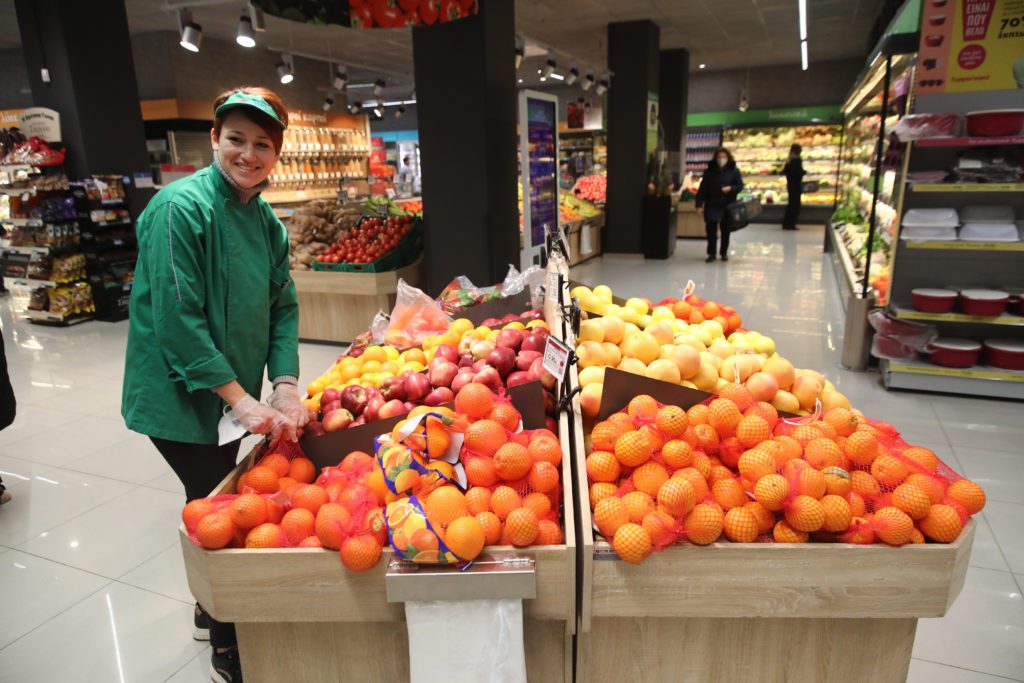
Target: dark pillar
[(633, 59), (86, 48), (466, 108), (673, 83)]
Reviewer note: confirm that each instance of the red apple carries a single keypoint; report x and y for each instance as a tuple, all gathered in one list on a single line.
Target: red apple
[(466, 360), (417, 385), (442, 374), (509, 338), (439, 396), (354, 398), (502, 359), (447, 352), (464, 377), (550, 423), (373, 406), (336, 420), (329, 407), (393, 389), (489, 377), (516, 378), (534, 342), (330, 395), (525, 359), (409, 406), (549, 403), (391, 409), (314, 428), (478, 365), (361, 420), (537, 371)]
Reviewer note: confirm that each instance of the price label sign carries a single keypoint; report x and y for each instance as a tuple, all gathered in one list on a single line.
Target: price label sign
[(690, 287), (551, 288), (556, 357)]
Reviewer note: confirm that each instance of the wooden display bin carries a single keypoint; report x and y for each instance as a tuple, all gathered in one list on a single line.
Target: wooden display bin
[(301, 615), (756, 611), (338, 307), (688, 222), (576, 229)]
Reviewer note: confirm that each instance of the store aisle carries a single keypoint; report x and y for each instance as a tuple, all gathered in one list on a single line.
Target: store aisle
[(90, 568), (785, 288)]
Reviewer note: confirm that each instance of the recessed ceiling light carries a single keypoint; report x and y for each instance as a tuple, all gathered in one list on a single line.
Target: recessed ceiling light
[(702, 66)]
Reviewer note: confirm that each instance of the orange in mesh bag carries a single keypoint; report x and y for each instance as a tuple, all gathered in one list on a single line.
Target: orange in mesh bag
[(733, 466)]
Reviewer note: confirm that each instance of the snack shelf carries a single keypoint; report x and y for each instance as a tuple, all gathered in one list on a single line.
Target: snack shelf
[(286, 196), (971, 141), (33, 249), (960, 245), (966, 187), (22, 222), (47, 318), (910, 314), (32, 282), (976, 381)]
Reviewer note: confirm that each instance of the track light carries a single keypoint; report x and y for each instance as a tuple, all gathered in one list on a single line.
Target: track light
[(378, 110), (702, 66), (285, 71), (246, 35), (744, 101), (259, 23), (602, 87), (378, 87), (328, 102), (520, 51), (340, 79), (587, 82), (549, 67), (399, 111), (191, 32), (574, 73), (586, 105), (355, 107)]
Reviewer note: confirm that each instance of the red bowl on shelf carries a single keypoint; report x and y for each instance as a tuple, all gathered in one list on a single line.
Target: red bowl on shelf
[(995, 122), (985, 302), (933, 300), (1007, 354), (954, 353)]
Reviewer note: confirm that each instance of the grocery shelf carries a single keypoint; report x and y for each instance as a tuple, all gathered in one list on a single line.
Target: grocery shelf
[(961, 245), (36, 249), (966, 187), (846, 274), (971, 141), (47, 318), (285, 196), (910, 314), (9, 281), (21, 222), (976, 381)]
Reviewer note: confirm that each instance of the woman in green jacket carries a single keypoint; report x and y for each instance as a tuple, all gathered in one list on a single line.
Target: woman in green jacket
[(212, 306)]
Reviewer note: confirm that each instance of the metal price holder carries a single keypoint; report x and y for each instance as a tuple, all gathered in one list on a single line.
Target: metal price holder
[(492, 576)]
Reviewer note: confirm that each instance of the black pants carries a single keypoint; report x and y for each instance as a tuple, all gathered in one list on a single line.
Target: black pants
[(792, 215), (8, 406), (711, 229), (200, 467)]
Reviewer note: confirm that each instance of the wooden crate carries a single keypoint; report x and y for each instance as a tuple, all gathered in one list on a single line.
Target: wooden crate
[(756, 611), (337, 307)]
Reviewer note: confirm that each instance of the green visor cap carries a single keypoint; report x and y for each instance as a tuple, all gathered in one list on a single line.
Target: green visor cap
[(241, 99)]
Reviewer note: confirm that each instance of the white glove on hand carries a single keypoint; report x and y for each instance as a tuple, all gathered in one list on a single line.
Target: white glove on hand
[(287, 400), (258, 418)]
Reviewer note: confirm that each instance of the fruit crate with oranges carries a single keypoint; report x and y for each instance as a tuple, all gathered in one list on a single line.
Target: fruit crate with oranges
[(744, 611), (338, 623)]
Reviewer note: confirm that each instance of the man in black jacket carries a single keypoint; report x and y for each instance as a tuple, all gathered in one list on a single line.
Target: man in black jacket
[(719, 188)]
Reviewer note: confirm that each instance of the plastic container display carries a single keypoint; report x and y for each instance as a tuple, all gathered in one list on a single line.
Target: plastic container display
[(986, 302), (931, 218), (954, 353), (995, 122), (928, 125), (891, 348), (930, 300), (984, 213), (990, 232), (1007, 354)]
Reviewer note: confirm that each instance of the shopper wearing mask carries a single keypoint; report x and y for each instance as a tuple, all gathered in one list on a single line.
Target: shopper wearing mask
[(212, 307), (794, 172), (719, 188)]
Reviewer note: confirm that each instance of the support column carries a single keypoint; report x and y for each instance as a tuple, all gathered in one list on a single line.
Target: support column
[(673, 85), (633, 61), (466, 108), (85, 47)]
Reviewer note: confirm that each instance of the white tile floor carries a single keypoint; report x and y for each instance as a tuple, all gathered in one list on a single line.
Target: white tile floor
[(92, 586)]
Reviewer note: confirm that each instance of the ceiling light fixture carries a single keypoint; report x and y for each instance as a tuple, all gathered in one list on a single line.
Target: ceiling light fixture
[(355, 107), (802, 7), (399, 111), (259, 24), (557, 76), (574, 73), (602, 87), (340, 78), (744, 101), (803, 55), (702, 66), (328, 102), (246, 34), (587, 82), (549, 66), (285, 69), (378, 87), (191, 33), (378, 110)]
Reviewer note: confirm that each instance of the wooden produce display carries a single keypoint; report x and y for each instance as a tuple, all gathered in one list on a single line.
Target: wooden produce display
[(337, 307), (301, 616), (688, 222), (584, 239), (755, 611)]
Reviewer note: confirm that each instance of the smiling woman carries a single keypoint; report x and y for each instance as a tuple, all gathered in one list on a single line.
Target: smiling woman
[(212, 309)]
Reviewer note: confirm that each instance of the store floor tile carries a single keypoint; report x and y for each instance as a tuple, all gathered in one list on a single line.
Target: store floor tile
[(196, 671), (1005, 520), (984, 629), (119, 633), (33, 590), (133, 459), (986, 552), (930, 672), (15, 471), (1000, 473), (163, 573)]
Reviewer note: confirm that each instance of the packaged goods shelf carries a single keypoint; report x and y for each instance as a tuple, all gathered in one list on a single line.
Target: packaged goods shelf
[(966, 187), (964, 246), (971, 141), (910, 314), (976, 381)]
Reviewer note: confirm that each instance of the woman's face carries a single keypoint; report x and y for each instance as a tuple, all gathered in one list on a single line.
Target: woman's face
[(722, 160), (246, 151)]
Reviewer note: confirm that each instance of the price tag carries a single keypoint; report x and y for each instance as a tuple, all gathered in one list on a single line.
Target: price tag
[(556, 357), (689, 288), (551, 288), (390, 193)]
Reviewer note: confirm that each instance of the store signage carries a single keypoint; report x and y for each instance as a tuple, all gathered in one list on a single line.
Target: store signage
[(971, 45), (542, 192), (556, 357), (364, 14), (40, 122), (755, 116)]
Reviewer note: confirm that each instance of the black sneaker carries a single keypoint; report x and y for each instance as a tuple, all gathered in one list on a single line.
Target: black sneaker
[(725, 257), (709, 259), (225, 666), (200, 624)]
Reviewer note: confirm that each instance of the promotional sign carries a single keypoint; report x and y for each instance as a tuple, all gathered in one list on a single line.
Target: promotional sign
[(971, 45), (539, 143), (652, 122), (364, 14), (40, 122)]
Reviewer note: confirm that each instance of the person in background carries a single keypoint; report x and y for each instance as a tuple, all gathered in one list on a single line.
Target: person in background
[(213, 306), (406, 176), (8, 407), (794, 172), (718, 189)]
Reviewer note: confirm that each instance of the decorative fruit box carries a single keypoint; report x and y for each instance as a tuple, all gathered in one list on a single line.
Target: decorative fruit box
[(300, 615), (754, 611)]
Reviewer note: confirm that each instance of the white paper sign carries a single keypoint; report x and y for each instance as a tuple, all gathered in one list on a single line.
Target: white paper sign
[(40, 122), (556, 357), (551, 288), (689, 288), (585, 246)]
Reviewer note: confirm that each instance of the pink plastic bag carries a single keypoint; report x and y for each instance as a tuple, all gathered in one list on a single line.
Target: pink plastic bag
[(415, 317)]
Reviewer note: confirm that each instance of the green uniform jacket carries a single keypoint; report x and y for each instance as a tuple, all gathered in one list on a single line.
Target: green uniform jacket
[(212, 301)]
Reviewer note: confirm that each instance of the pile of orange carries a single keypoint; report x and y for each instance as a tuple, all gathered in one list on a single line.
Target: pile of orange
[(659, 474)]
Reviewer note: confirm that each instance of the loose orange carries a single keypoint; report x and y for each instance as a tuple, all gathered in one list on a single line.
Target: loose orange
[(632, 543), (215, 531)]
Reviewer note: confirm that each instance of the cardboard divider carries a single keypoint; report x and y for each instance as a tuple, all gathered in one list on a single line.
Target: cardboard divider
[(497, 308), (620, 387)]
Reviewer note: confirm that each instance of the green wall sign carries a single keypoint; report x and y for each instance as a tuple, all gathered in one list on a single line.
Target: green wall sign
[(766, 117)]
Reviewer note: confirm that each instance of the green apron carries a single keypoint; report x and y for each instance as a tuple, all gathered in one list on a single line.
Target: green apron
[(212, 302)]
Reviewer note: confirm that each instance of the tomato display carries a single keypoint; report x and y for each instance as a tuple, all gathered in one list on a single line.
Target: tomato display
[(371, 239)]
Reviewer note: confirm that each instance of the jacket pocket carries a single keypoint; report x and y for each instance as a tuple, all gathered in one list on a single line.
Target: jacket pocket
[(280, 279)]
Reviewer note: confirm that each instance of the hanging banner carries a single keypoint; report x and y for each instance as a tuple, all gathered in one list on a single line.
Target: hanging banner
[(370, 13), (40, 122), (971, 45)]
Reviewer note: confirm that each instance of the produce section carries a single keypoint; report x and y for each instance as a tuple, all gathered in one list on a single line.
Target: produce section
[(761, 154)]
